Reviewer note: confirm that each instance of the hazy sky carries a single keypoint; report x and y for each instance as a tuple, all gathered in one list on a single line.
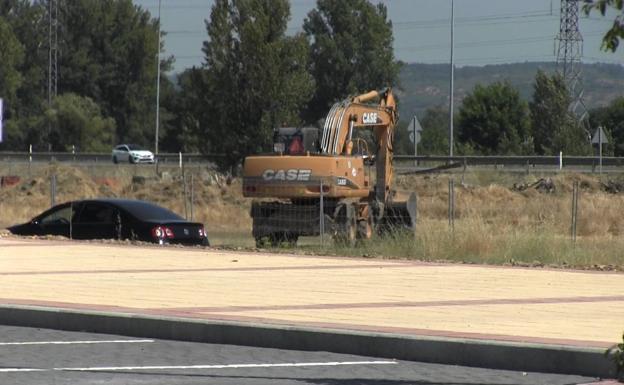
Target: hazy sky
[(486, 31)]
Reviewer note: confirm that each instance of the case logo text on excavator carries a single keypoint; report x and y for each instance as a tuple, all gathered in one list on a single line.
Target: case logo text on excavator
[(290, 175), (369, 118)]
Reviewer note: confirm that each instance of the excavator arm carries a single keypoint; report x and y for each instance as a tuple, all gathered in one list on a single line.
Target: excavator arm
[(359, 113)]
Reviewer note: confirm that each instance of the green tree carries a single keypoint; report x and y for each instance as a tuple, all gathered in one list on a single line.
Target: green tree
[(554, 128), (109, 55), (351, 51), (495, 121), (402, 143), (12, 57), (25, 87), (28, 23), (10, 79), (107, 52), (611, 39), (187, 106), (79, 122), (434, 137), (611, 118), (254, 79)]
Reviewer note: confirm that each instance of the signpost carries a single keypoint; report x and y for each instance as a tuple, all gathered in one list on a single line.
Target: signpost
[(599, 138), (415, 131)]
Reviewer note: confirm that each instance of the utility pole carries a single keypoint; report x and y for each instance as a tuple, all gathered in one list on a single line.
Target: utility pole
[(157, 83), (569, 55), (52, 59), (452, 78)]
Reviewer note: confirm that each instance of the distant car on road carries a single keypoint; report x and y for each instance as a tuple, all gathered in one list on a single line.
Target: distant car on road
[(115, 219), (132, 153)]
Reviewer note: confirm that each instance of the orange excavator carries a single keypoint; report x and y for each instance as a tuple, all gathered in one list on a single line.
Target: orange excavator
[(332, 184)]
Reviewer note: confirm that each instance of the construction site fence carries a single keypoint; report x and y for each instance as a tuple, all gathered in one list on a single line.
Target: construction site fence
[(278, 222)]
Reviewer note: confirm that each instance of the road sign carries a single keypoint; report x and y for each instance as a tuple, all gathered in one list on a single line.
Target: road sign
[(415, 129), (1, 105), (599, 136)]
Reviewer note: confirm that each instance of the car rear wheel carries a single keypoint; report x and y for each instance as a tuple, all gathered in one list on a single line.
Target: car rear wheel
[(115, 159)]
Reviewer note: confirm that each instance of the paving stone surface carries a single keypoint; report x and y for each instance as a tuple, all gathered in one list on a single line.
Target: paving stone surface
[(578, 308)]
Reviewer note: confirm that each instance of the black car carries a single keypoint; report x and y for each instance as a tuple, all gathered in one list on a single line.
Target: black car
[(115, 219)]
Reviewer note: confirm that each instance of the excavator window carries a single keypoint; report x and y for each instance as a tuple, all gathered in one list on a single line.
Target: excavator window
[(295, 140)]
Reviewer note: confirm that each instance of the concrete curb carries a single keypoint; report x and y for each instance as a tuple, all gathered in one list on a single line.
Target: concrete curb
[(453, 351)]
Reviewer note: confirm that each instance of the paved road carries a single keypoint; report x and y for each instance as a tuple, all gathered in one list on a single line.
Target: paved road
[(40, 356)]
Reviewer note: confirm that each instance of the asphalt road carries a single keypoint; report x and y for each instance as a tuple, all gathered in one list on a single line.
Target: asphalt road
[(40, 356)]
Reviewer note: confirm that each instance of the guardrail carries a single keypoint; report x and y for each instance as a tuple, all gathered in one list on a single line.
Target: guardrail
[(474, 160), (98, 157), (468, 160)]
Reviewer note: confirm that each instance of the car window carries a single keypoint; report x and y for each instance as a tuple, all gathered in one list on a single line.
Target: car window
[(134, 147), (148, 211), (96, 213), (121, 148), (61, 215)]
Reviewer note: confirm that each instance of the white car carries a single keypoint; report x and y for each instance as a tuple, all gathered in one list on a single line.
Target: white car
[(132, 153)]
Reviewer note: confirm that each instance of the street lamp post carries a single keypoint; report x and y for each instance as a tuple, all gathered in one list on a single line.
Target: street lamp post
[(452, 79), (157, 84)]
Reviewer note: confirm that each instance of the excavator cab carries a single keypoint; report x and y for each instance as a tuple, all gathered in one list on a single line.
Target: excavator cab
[(295, 140)]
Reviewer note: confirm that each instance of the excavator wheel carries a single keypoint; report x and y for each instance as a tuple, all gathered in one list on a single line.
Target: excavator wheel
[(276, 239), (346, 232), (260, 242), (365, 228)]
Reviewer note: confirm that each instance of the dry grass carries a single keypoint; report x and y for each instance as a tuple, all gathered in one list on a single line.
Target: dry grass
[(218, 204), (494, 224)]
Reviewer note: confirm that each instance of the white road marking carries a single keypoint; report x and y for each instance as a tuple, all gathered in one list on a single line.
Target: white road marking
[(174, 367), (230, 366), (75, 342)]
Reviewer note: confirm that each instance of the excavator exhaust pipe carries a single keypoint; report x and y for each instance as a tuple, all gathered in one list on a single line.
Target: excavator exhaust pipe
[(399, 216)]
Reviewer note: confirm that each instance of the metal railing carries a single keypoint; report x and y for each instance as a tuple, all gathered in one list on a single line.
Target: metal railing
[(475, 160), (468, 160), (100, 157)]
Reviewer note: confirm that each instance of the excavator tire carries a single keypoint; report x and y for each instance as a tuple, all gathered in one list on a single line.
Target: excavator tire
[(276, 239), (346, 226), (365, 228)]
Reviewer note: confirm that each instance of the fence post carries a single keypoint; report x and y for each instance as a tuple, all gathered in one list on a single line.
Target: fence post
[(29, 159), (52, 189), (185, 198), (71, 219), (192, 195), (321, 214), (575, 187), (451, 205)]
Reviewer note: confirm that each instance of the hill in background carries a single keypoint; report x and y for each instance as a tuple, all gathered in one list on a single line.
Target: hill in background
[(424, 86)]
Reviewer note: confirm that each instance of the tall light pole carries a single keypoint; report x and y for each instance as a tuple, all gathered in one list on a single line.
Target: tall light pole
[(452, 78), (157, 84)]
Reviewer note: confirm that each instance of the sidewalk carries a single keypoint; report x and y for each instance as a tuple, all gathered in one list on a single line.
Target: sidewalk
[(583, 309)]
